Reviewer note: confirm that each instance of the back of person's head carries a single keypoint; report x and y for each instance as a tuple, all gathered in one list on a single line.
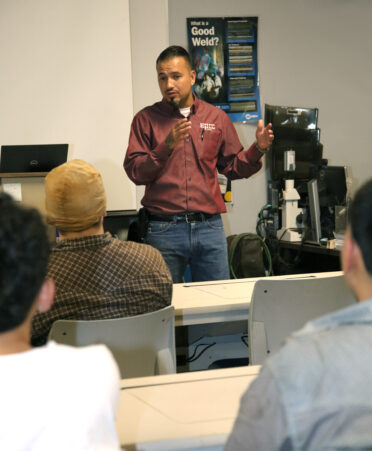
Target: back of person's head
[(172, 52), (24, 253), (360, 221), (75, 197)]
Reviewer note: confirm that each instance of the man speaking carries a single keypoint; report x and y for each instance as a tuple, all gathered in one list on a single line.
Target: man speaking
[(175, 149)]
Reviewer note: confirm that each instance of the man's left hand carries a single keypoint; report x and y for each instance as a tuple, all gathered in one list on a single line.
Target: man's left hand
[(264, 136)]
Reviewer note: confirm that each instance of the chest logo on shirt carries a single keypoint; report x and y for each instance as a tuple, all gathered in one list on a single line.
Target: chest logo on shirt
[(206, 126)]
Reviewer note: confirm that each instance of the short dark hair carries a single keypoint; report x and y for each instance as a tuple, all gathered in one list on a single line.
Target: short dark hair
[(360, 221), (172, 52), (24, 253)]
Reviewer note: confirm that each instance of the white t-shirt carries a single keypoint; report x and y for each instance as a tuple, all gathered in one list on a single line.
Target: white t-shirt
[(57, 397), (185, 111)]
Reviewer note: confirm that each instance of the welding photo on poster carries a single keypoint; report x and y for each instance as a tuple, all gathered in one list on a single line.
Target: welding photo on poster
[(207, 57), (224, 56)]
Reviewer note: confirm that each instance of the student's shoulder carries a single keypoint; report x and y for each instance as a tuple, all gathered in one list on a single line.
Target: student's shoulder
[(87, 358), (137, 250), (298, 365), (126, 258), (90, 376), (85, 368)]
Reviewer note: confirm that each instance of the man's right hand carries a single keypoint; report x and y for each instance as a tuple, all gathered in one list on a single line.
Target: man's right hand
[(178, 133)]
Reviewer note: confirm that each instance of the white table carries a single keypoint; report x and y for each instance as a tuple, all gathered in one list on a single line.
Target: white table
[(181, 411), (216, 318), (219, 301)]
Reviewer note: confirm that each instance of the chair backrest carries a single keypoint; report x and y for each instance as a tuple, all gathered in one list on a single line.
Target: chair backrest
[(143, 345), (281, 306)]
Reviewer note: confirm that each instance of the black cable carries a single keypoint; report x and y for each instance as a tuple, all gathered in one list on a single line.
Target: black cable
[(192, 358), (196, 347), (262, 219), (258, 230), (244, 339)]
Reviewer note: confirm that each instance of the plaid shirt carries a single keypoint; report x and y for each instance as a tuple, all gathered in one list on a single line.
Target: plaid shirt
[(101, 277)]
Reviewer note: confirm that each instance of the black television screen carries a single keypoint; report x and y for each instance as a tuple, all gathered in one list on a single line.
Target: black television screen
[(32, 158), (293, 117), (308, 152), (295, 128)]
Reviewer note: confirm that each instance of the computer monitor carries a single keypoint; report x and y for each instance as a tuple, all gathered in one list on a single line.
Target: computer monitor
[(314, 234), (32, 158), (291, 117), (332, 186), (295, 128), (325, 196), (308, 152)]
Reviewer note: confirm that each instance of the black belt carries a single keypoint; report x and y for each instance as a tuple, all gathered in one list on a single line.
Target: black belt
[(188, 217)]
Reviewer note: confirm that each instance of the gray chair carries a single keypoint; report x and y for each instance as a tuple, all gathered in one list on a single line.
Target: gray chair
[(143, 345), (281, 306)]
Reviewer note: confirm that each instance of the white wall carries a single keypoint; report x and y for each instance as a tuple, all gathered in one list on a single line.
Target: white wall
[(66, 77), (312, 54), (149, 36)]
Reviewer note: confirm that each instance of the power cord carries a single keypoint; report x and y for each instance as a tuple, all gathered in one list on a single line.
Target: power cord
[(244, 339), (196, 357)]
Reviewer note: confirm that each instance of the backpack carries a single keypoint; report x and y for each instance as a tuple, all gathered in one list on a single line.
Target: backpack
[(247, 254)]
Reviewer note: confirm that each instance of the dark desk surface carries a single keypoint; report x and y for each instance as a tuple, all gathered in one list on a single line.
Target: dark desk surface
[(299, 258), (305, 247)]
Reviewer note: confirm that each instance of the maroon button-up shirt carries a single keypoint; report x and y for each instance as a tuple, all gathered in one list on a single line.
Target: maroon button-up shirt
[(185, 179)]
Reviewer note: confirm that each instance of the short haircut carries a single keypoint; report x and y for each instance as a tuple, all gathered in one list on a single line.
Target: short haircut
[(24, 253), (360, 221), (172, 52)]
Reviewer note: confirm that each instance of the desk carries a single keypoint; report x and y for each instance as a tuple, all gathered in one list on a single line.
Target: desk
[(181, 411), (219, 301), (297, 258), (211, 321), (210, 302)]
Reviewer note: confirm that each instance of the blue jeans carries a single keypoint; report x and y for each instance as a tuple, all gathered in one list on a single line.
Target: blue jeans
[(201, 245)]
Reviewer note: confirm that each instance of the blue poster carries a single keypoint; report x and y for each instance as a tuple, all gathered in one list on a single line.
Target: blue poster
[(224, 56)]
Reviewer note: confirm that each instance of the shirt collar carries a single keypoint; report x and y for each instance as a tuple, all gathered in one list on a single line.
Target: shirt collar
[(84, 242)]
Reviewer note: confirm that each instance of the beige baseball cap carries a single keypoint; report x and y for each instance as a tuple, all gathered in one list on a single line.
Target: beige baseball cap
[(75, 197)]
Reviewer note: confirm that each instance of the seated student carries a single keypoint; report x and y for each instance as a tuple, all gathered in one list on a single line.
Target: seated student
[(96, 276), (316, 392), (54, 397)]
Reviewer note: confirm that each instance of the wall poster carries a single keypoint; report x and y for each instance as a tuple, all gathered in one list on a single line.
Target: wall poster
[(224, 55)]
